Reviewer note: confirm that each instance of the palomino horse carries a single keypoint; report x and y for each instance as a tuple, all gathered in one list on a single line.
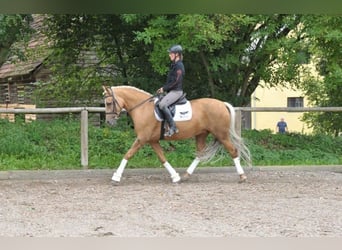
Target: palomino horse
[(209, 116)]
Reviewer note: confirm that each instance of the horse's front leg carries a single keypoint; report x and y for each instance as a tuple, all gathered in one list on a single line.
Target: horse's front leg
[(134, 148), (159, 151)]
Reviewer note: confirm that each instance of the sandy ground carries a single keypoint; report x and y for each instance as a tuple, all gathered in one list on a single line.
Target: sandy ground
[(276, 201)]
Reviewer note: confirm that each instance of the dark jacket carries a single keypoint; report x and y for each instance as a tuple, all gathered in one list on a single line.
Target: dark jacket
[(175, 77)]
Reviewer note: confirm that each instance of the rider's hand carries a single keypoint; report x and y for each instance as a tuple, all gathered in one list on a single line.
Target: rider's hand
[(160, 91)]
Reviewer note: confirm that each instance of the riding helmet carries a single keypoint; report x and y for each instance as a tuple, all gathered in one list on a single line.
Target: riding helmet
[(175, 49)]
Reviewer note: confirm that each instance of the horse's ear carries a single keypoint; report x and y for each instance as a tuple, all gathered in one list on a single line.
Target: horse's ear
[(106, 89)]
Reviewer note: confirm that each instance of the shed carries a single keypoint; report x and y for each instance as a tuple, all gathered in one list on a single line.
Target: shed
[(18, 77), (17, 83)]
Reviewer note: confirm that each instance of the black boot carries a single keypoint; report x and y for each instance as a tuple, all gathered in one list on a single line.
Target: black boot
[(172, 126)]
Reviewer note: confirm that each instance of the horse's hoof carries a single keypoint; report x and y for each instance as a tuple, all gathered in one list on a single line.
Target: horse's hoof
[(176, 178), (186, 176), (115, 183), (243, 178), (116, 177)]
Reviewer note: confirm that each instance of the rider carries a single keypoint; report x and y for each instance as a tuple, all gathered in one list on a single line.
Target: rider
[(173, 86)]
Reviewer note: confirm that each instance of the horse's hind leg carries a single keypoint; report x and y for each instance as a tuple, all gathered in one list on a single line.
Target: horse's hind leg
[(159, 151), (235, 156), (200, 145), (134, 148)]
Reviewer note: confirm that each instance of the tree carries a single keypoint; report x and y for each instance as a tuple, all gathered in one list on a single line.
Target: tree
[(226, 56), (324, 35), (91, 50), (13, 28)]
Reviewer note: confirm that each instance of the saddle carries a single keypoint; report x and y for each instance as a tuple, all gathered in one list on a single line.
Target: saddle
[(181, 109)]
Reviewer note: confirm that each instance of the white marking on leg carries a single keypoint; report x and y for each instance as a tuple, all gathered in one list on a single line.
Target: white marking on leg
[(193, 165), (238, 165), (174, 175), (119, 171)]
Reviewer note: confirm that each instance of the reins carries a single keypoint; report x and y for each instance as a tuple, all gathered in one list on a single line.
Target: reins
[(116, 102), (139, 104)]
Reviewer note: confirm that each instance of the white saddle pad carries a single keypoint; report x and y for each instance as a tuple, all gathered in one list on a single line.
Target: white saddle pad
[(183, 113)]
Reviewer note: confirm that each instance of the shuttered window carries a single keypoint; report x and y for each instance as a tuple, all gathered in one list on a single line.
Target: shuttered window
[(295, 102)]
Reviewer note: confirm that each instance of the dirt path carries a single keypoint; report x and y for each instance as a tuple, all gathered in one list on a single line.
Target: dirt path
[(277, 201)]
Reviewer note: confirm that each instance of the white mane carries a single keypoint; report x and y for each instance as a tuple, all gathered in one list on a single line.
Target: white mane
[(132, 87)]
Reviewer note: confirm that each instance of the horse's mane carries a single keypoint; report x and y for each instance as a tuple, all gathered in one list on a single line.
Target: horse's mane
[(132, 87)]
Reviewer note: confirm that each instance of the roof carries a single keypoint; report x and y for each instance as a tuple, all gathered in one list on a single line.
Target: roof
[(36, 43), (18, 69)]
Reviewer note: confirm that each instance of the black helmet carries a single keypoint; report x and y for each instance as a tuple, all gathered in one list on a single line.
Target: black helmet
[(175, 49)]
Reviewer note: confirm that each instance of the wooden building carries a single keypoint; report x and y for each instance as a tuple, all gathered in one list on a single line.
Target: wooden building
[(19, 77), (17, 83)]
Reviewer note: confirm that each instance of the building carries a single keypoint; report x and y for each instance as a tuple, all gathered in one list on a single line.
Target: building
[(278, 97), (18, 77)]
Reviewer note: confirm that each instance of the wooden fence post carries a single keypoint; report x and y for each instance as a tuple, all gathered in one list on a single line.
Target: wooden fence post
[(84, 138)]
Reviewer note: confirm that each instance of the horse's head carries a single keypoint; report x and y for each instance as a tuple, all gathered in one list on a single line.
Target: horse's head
[(112, 106)]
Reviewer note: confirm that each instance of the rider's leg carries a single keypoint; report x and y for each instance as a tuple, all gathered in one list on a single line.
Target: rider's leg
[(173, 129), (167, 100)]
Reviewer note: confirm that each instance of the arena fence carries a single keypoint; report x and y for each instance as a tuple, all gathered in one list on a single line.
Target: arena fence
[(84, 111)]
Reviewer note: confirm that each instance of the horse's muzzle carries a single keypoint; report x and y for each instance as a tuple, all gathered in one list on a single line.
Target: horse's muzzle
[(111, 122)]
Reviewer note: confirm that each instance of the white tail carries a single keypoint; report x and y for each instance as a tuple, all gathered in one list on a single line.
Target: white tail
[(211, 150), (236, 139)]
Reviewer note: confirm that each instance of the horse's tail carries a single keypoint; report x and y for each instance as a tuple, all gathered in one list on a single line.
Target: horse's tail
[(237, 141), (210, 151)]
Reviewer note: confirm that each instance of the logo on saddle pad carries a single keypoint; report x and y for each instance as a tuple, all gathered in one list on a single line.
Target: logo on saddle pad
[(180, 112)]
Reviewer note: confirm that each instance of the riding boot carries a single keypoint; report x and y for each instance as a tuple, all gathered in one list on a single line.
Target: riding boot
[(172, 126)]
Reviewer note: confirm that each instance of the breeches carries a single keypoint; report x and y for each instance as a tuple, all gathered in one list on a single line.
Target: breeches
[(170, 98)]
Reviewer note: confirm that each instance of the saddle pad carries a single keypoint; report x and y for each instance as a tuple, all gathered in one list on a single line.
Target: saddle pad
[(183, 113)]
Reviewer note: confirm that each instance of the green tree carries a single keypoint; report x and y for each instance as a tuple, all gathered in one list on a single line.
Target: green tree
[(226, 56), (325, 35), (91, 50), (13, 28)]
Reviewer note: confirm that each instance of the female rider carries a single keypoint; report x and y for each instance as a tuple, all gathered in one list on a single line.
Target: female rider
[(173, 86)]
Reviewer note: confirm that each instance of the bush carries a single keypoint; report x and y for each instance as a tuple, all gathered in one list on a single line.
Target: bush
[(293, 148), (56, 145)]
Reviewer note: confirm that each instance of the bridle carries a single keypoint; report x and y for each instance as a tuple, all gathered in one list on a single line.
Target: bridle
[(115, 102)]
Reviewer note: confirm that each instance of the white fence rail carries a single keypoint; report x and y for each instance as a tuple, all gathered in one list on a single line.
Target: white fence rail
[(85, 110), (279, 109)]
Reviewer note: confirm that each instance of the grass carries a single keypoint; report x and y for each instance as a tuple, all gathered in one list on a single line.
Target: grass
[(56, 145)]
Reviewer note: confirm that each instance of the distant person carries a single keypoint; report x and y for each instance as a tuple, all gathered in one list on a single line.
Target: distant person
[(281, 126)]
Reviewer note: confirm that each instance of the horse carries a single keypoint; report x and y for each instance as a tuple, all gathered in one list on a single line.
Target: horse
[(209, 116)]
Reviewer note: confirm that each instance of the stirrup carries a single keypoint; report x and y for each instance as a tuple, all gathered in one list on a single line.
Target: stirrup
[(171, 132)]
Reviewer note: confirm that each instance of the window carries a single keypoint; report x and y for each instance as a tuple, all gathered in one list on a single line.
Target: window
[(295, 102)]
